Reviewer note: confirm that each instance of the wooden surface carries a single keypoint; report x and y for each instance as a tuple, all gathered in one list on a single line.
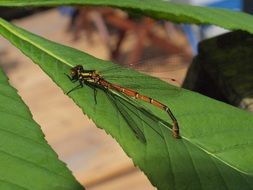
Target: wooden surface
[(95, 158)]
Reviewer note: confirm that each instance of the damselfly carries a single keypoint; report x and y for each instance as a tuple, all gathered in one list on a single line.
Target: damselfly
[(94, 80)]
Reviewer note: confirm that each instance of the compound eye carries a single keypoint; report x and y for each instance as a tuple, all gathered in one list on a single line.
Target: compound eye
[(79, 68)]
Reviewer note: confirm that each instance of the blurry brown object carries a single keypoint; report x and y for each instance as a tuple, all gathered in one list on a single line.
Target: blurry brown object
[(108, 20)]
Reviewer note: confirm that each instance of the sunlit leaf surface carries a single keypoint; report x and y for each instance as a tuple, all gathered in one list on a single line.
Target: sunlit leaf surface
[(27, 162), (216, 149)]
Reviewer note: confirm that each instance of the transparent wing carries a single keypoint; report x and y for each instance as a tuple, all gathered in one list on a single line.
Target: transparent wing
[(135, 119), (126, 116), (172, 62)]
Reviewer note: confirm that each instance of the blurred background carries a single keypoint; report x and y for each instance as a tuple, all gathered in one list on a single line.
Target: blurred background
[(160, 48)]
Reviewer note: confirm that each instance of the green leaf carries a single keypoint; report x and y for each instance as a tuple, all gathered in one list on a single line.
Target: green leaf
[(216, 149), (26, 160), (159, 9)]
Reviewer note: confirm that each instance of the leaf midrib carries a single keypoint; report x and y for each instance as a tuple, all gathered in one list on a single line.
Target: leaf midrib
[(35, 45)]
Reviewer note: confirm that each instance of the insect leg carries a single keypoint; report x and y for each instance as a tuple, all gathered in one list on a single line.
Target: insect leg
[(94, 90), (95, 95), (73, 80), (75, 88)]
